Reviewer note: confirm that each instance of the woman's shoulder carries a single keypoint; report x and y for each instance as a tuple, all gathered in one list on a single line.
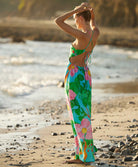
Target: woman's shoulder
[(96, 32)]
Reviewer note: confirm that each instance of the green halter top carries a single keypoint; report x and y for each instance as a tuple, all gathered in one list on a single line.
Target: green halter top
[(75, 52)]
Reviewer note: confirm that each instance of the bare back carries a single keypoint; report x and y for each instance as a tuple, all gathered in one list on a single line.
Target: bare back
[(80, 44)]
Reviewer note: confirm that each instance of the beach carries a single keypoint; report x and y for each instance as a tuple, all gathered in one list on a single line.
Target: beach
[(35, 125), (113, 121)]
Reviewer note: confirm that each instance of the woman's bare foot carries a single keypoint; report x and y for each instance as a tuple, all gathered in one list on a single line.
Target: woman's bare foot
[(74, 161)]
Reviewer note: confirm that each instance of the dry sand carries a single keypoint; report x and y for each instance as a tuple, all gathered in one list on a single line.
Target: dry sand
[(112, 120)]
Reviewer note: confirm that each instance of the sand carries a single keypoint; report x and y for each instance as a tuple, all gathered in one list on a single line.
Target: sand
[(111, 120)]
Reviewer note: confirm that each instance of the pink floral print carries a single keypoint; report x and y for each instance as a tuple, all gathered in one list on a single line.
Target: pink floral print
[(84, 129), (72, 95)]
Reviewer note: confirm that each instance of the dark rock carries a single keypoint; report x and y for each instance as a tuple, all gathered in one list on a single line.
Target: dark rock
[(119, 136), (132, 102), (126, 151), (111, 156), (132, 143), (58, 123), (72, 154), (53, 153), (105, 146), (24, 136), (120, 144), (134, 120), (132, 126), (60, 84), (8, 156), (62, 133), (18, 125), (128, 138), (135, 158), (134, 135), (54, 134), (60, 155), (116, 125), (9, 126), (104, 156), (100, 149), (106, 120), (114, 122), (72, 136), (21, 154), (100, 164), (67, 123), (127, 159), (112, 149), (114, 161), (67, 158)]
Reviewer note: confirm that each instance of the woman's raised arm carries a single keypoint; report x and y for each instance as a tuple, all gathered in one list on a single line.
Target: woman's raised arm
[(93, 23), (60, 21)]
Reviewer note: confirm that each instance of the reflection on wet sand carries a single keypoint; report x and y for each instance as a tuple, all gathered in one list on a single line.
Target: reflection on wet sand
[(122, 87)]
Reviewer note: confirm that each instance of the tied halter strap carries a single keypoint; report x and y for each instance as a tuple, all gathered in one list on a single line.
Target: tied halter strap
[(90, 41), (88, 55)]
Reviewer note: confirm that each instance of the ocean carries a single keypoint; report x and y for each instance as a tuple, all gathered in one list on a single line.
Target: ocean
[(31, 71)]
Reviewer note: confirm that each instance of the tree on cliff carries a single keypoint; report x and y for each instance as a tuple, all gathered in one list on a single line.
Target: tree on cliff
[(45, 8), (108, 12), (116, 12)]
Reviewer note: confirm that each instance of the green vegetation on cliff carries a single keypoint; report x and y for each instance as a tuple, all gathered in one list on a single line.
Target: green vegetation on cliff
[(108, 12)]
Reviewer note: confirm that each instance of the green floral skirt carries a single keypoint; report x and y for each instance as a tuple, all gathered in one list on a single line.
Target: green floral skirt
[(78, 95)]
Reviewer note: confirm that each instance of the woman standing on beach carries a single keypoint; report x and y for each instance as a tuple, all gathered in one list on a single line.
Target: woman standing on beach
[(78, 79)]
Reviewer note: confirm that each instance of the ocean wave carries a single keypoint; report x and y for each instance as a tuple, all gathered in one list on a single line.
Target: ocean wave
[(14, 91), (133, 55), (16, 61), (19, 61), (22, 87)]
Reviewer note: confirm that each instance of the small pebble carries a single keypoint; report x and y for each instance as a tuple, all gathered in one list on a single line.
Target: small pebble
[(127, 159), (72, 154), (135, 158), (72, 136), (132, 102), (54, 134)]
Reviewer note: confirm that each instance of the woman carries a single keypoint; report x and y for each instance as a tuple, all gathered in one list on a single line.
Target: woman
[(78, 79)]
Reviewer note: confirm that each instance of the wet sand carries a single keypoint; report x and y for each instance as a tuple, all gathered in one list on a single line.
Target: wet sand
[(20, 29), (113, 121), (121, 87)]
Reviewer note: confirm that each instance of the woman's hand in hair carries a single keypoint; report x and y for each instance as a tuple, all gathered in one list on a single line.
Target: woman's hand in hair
[(92, 13), (84, 6)]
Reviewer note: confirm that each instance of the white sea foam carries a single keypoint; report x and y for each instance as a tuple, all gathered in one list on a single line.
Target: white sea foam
[(28, 69)]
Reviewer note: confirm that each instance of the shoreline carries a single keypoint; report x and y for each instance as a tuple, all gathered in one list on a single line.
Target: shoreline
[(21, 29), (111, 120)]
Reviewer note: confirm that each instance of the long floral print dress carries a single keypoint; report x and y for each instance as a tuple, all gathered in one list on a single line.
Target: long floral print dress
[(78, 85)]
